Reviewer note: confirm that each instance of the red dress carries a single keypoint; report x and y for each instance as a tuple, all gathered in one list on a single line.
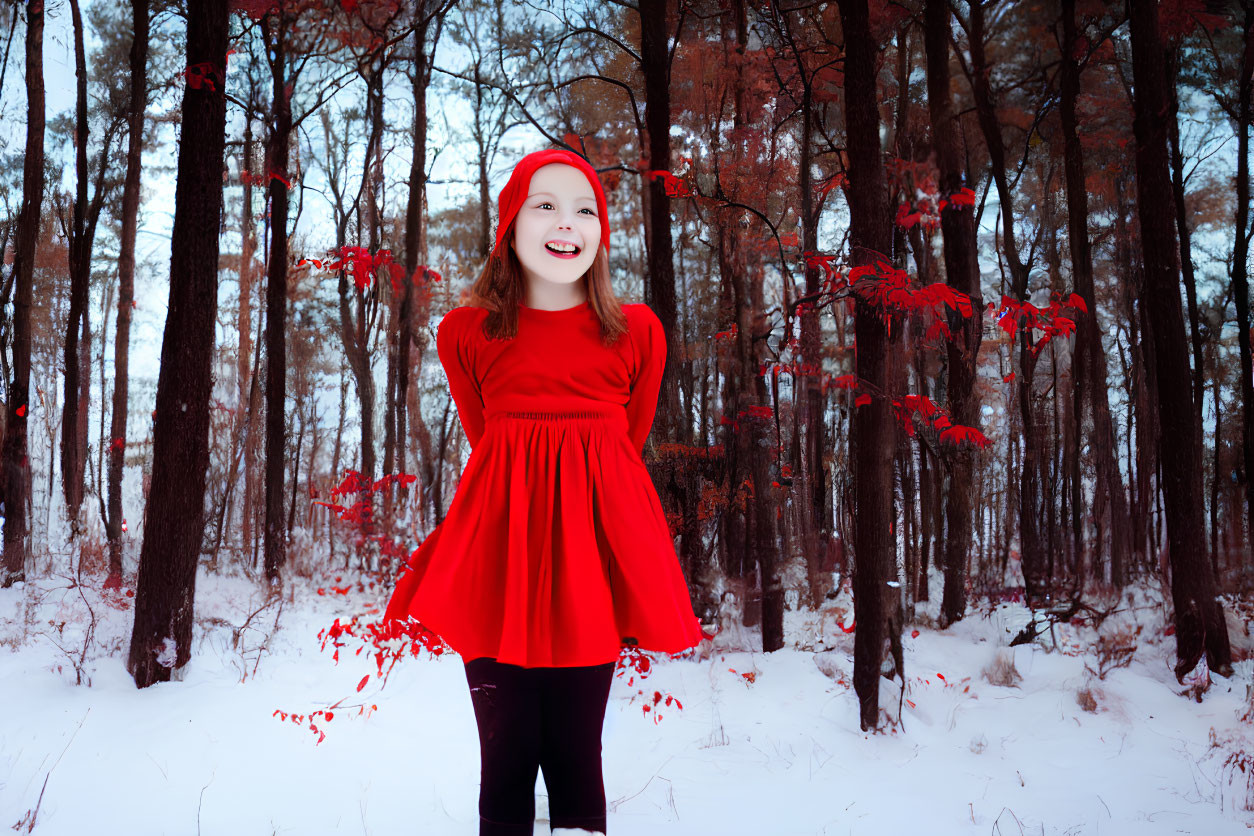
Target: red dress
[(555, 547)]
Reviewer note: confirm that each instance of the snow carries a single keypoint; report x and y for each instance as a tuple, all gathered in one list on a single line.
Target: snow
[(781, 754)]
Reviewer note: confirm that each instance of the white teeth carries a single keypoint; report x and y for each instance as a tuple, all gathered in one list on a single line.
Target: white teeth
[(561, 248)]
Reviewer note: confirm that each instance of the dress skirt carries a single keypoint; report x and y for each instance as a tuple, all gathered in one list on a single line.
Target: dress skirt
[(555, 549)]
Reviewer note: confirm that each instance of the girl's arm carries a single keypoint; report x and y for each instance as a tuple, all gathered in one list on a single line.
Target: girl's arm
[(452, 346), (650, 348)]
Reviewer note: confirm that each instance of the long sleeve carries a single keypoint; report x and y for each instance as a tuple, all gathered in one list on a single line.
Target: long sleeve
[(452, 344), (649, 348)]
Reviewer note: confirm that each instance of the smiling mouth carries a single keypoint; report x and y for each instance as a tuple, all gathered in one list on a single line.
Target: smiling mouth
[(563, 253)]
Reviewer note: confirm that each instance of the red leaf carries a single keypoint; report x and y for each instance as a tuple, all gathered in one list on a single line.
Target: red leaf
[(862, 400), (962, 197), (673, 185), (1008, 378), (906, 218), (958, 434), (845, 381), (202, 76), (363, 682), (914, 634), (21, 411)]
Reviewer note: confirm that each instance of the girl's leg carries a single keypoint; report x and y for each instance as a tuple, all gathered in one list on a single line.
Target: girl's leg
[(507, 711), (572, 712)]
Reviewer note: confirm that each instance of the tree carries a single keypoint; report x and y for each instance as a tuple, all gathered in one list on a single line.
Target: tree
[(81, 233), (1031, 476), (1090, 356), (16, 462), (290, 29), (1199, 618), (429, 22), (126, 282), (655, 63), (962, 270), (874, 425), (174, 516)]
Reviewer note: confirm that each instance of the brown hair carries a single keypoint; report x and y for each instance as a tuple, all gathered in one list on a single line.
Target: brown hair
[(501, 288)]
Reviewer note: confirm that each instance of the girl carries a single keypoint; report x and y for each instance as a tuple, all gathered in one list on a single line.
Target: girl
[(555, 550)]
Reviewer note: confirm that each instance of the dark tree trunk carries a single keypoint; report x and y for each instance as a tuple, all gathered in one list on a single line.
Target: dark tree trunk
[(813, 514), (1034, 554), (739, 368), (126, 281), (1171, 61), (1090, 357), (300, 438), (245, 368), (660, 284), (174, 517), (874, 426), (276, 299), (72, 455), (415, 231), (750, 441), (962, 271), (1199, 618), (1240, 257), (355, 333), (16, 462)]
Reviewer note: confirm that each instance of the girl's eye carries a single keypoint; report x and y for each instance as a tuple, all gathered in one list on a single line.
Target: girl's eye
[(546, 203)]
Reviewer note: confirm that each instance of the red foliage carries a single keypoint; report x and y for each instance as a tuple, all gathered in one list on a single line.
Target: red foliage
[(366, 268), (675, 187), (888, 288), (931, 415), (1177, 18), (254, 9), (203, 76), (1013, 315), (958, 434)]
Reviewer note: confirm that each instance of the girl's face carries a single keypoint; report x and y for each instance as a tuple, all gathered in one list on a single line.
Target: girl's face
[(557, 231)]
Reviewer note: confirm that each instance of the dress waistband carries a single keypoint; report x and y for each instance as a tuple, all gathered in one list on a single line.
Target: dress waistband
[(613, 413)]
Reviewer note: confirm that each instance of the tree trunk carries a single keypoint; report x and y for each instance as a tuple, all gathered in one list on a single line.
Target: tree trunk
[(245, 369), (1171, 61), (276, 301), (874, 425), (72, 458), (813, 514), (1240, 259), (126, 281), (174, 517), (415, 233), (1199, 618), (16, 462), (660, 284), (1033, 554), (962, 272), (1090, 357)]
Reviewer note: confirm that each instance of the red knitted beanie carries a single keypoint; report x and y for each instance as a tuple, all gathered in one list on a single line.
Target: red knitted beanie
[(515, 191)]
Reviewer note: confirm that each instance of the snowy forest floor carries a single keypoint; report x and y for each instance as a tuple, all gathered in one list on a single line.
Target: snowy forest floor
[(764, 743)]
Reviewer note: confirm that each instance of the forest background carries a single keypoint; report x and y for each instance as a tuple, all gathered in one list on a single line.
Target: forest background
[(1031, 221)]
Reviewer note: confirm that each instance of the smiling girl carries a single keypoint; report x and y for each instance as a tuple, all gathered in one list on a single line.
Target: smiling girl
[(555, 551)]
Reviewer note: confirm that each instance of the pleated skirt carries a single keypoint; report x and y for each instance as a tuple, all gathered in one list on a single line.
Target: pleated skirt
[(555, 550)]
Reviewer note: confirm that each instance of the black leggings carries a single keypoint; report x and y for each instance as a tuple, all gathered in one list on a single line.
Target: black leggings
[(546, 718)]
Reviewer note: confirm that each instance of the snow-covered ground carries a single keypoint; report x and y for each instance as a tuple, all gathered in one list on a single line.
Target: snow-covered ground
[(777, 752)]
